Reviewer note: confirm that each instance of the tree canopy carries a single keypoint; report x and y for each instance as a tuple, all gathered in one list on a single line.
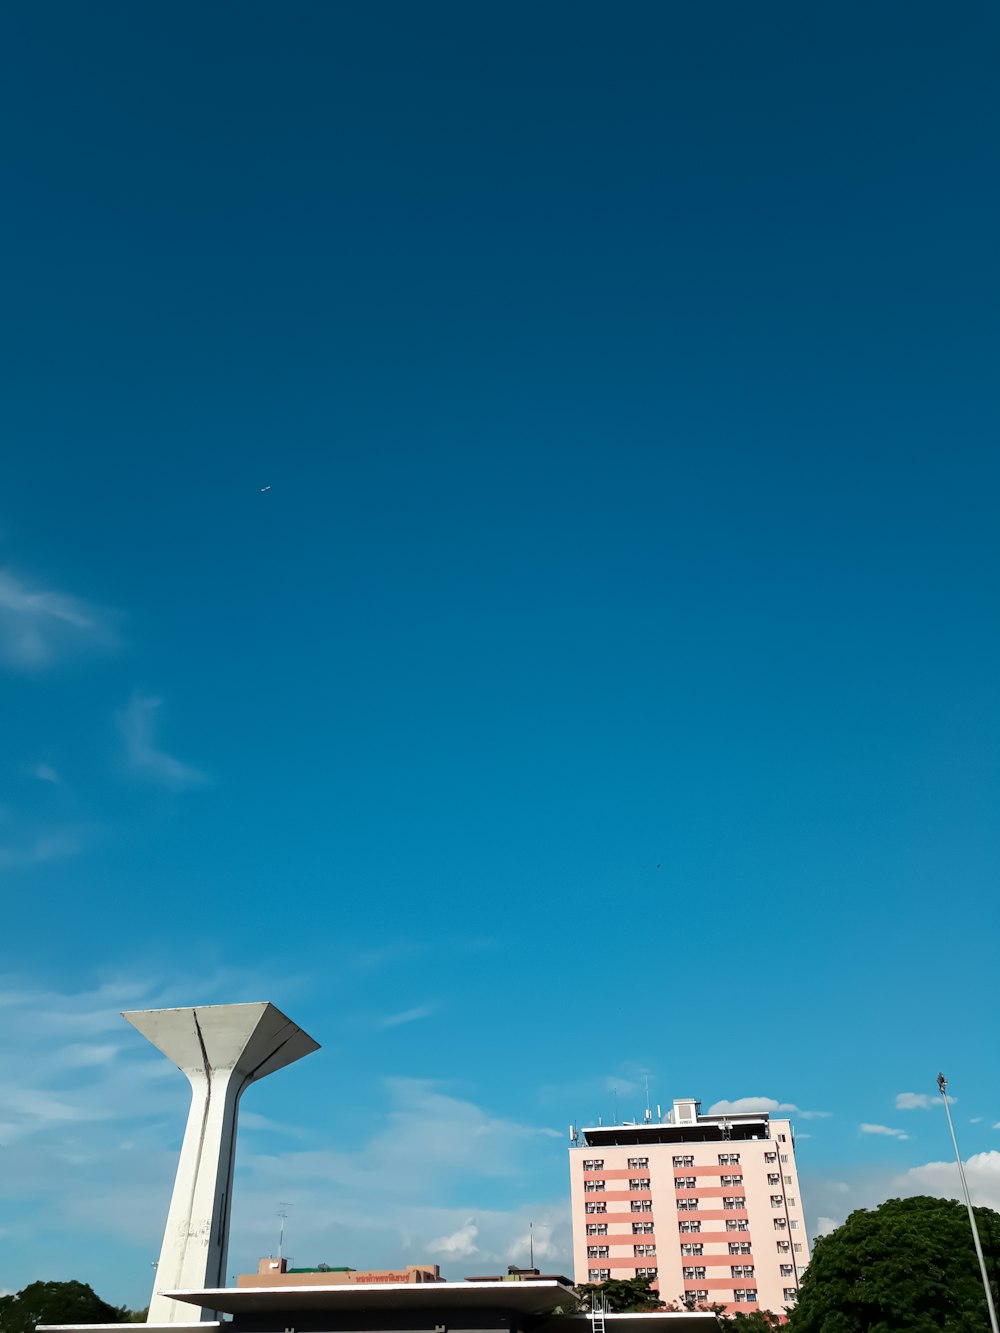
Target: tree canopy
[(909, 1264), (632, 1295), (56, 1303)]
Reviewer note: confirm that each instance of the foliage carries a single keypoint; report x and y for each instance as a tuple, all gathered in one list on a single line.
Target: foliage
[(750, 1321), (55, 1303), (908, 1265), (631, 1295)]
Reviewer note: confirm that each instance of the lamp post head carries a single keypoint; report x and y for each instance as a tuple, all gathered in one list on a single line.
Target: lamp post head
[(942, 1083)]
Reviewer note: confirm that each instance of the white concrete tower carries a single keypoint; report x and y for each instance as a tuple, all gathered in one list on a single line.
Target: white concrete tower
[(222, 1048)]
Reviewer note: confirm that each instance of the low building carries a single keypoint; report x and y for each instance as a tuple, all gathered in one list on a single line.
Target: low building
[(273, 1272)]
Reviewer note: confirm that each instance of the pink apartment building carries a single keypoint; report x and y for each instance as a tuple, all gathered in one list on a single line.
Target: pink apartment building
[(706, 1206)]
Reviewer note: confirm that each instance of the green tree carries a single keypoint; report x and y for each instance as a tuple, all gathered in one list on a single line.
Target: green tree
[(631, 1295), (55, 1303), (908, 1265)]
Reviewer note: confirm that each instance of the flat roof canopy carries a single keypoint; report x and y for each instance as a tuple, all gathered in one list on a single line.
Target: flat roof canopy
[(524, 1297)]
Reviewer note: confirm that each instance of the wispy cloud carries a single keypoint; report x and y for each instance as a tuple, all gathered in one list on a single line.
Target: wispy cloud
[(406, 1016), (886, 1130), (45, 773), (749, 1105), (39, 626), (37, 848), (137, 724), (920, 1101)]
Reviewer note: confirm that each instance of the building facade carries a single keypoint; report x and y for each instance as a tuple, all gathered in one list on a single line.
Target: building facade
[(707, 1207)]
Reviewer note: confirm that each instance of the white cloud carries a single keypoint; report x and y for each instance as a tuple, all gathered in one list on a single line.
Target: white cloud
[(39, 627), (535, 1243), (977, 1120), (137, 723), (405, 1016), (749, 1105), (824, 1225), (45, 773), (883, 1129), (920, 1101), (982, 1171), (461, 1244)]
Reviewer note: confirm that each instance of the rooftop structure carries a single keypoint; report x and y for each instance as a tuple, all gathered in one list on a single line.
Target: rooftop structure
[(705, 1207)]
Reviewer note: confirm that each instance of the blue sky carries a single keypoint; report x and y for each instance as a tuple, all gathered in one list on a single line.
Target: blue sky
[(606, 686)]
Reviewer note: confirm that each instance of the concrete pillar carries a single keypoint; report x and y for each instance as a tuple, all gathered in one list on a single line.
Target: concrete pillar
[(222, 1048)]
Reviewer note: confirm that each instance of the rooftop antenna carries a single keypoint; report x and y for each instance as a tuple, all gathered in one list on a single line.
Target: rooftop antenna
[(616, 1105), (649, 1114), (531, 1244), (283, 1217)]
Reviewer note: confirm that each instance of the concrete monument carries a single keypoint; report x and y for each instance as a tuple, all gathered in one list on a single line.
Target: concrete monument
[(222, 1049)]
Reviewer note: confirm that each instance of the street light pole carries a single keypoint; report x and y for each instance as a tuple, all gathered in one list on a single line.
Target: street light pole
[(942, 1083)]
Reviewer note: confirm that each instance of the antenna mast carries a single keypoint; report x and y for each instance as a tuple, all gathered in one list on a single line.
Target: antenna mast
[(283, 1217), (531, 1244)]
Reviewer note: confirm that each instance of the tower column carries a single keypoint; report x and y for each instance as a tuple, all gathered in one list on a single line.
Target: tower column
[(221, 1049)]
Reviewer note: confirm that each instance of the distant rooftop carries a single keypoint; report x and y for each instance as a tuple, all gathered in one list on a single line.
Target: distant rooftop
[(683, 1123)]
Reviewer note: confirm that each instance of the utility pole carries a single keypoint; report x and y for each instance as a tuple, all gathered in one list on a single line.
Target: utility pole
[(942, 1083)]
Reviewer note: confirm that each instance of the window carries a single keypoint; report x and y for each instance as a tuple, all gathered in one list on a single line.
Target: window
[(739, 1247), (797, 1247), (692, 1250), (781, 1138), (688, 1226), (780, 1224), (697, 1296), (784, 1159), (745, 1295), (593, 1164), (737, 1224), (777, 1200), (794, 1225), (731, 1180), (597, 1251), (595, 1207), (687, 1205), (737, 1201), (773, 1178), (790, 1293), (597, 1228), (791, 1200), (593, 1186), (639, 1183), (770, 1158), (788, 1180), (683, 1161), (729, 1159), (685, 1182), (787, 1270), (644, 1251), (693, 1274), (642, 1228), (598, 1274), (638, 1163), (645, 1272), (642, 1205), (783, 1246), (742, 1270)]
